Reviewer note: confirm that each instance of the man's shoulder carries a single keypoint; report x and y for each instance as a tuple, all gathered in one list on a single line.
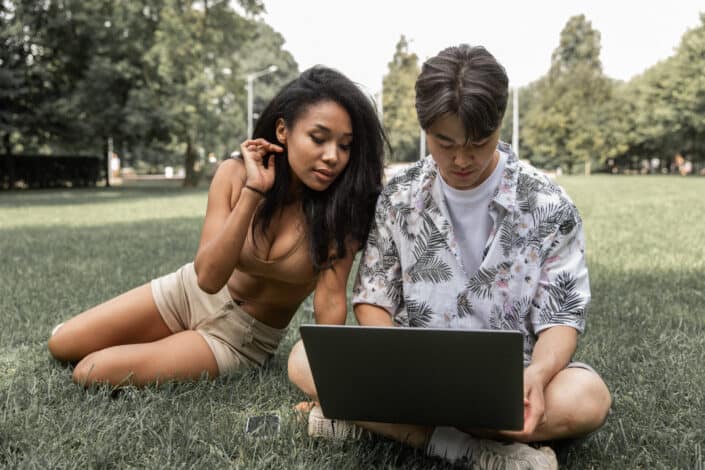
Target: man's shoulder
[(531, 182), (406, 183)]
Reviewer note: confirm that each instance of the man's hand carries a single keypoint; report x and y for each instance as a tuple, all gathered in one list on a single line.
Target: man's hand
[(534, 406)]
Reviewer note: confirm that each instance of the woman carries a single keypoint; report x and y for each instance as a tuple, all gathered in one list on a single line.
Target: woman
[(284, 220)]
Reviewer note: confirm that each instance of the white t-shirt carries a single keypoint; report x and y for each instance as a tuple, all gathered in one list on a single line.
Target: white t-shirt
[(470, 215)]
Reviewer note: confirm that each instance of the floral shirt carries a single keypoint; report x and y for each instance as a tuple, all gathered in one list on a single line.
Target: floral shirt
[(532, 276)]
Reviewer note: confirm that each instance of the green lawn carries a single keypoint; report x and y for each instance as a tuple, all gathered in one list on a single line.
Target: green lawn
[(64, 251)]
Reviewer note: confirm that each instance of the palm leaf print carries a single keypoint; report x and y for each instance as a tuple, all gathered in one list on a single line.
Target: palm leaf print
[(402, 219), (509, 238), (428, 241), (564, 297), (394, 290), (464, 305), (431, 270), (420, 313), (481, 283)]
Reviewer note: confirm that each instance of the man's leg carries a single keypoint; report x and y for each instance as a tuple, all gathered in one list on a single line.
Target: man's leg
[(577, 403), (300, 375)]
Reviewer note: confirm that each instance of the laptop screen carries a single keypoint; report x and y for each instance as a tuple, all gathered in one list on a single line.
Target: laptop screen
[(430, 376)]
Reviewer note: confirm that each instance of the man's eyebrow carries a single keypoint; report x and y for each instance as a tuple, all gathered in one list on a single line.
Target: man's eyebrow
[(443, 137), (323, 128), (480, 141)]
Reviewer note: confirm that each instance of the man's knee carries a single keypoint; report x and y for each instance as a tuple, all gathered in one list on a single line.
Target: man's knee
[(598, 401), (579, 403), (591, 403)]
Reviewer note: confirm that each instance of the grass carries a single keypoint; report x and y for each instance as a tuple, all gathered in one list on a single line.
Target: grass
[(64, 251)]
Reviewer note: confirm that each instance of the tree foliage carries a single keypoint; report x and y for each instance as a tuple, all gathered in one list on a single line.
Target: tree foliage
[(575, 115), (159, 77), (399, 98), (565, 124)]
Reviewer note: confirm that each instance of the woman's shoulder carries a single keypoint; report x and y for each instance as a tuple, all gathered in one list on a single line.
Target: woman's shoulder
[(231, 167), (229, 177)]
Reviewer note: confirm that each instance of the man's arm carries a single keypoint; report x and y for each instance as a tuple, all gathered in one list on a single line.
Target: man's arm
[(372, 315)]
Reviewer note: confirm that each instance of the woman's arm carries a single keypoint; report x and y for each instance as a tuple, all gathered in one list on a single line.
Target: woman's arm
[(330, 305), (233, 197)]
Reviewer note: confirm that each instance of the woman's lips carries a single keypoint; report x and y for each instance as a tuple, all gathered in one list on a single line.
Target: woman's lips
[(323, 174)]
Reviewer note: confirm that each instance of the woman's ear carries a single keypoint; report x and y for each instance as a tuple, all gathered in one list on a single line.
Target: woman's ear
[(281, 131)]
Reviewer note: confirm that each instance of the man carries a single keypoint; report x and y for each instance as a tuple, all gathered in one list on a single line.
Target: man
[(472, 238)]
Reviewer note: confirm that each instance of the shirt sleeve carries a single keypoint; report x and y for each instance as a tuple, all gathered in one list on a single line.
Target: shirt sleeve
[(379, 280), (564, 288)]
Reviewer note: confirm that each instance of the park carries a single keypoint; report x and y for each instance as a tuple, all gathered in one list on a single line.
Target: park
[(75, 231)]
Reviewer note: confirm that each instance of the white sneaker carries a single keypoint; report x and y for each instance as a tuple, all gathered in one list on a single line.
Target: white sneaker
[(320, 426), (495, 455)]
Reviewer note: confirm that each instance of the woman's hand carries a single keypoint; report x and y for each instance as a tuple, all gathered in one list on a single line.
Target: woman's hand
[(255, 153)]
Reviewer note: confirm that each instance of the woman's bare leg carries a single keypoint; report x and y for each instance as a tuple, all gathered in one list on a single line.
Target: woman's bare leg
[(129, 318), (180, 356)]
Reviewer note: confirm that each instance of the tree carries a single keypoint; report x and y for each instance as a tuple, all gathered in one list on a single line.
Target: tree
[(157, 76), (566, 125), (399, 98)]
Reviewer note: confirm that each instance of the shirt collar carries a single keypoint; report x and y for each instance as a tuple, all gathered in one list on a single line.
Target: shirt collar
[(506, 193)]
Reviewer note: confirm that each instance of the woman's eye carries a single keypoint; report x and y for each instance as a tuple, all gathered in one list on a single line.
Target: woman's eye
[(317, 140), (345, 147)]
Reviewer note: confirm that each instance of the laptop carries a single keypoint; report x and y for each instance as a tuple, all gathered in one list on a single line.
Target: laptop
[(429, 376)]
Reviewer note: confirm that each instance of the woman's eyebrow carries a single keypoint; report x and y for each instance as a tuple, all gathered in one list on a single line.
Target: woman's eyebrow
[(323, 128)]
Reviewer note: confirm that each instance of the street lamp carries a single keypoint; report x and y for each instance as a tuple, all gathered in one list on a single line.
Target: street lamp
[(251, 77)]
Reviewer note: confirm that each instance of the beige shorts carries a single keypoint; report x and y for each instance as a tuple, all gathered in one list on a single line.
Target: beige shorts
[(236, 338)]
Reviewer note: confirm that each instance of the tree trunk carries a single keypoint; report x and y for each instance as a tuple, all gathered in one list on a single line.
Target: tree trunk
[(191, 177), (588, 167), (106, 157), (9, 161)]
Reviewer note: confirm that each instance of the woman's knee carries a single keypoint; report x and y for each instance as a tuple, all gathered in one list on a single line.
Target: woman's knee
[(61, 346), (94, 368), (83, 370)]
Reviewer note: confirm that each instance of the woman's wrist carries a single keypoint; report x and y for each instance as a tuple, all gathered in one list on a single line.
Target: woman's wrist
[(255, 190)]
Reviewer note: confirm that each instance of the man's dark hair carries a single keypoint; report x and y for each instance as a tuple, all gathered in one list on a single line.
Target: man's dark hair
[(465, 81), (343, 212)]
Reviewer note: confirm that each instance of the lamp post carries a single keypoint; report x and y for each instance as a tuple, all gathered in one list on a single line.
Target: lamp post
[(251, 77), (515, 121)]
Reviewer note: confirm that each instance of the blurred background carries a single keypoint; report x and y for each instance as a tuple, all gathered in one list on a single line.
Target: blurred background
[(96, 92)]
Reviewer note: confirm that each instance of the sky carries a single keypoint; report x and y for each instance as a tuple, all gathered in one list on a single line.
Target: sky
[(358, 37)]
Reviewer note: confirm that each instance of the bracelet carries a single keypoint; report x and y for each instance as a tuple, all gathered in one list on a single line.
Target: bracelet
[(258, 191)]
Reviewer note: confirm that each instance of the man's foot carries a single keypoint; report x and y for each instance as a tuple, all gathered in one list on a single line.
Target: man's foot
[(454, 445), (336, 429), (495, 455)]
